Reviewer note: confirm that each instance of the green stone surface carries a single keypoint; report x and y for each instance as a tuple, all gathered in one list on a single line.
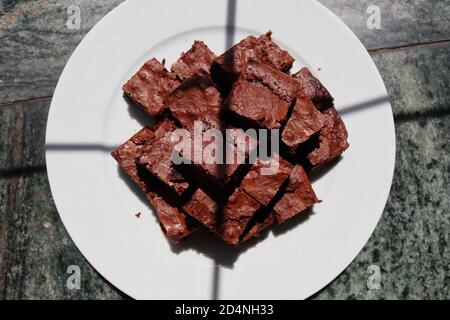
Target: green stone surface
[(410, 246), (36, 42)]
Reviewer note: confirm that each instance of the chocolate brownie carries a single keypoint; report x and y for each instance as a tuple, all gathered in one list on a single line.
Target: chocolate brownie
[(265, 179), (262, 50), (332, 139), (262, 97), (150, 85), (127, 154), (219, 165), (276, 81), (304, 122), (299, 195), (197, 99), (198, 58), (251, 104), (173, 222), (312, 88), (156, 157), (244, 144), (229, 220)]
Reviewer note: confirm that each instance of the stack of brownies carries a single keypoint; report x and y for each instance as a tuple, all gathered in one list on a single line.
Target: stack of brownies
[(249, 86)]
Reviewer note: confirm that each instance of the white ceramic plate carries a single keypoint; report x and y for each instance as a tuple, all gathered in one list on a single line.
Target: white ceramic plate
[(89, 117)]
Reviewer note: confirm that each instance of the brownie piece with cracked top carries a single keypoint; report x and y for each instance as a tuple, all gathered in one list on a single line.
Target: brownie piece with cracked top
[(299, 195), (175, 224), (196, 99), (304, 122), (312, 88), (150, 86), (156, 157), (233, 62), (222, 161), (261, 98), (198, 58), (229, 219), (266, 178), (332, 140)]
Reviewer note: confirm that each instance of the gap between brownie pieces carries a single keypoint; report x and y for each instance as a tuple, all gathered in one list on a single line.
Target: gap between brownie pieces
[(161, 189), (265, 210), (217, 190)]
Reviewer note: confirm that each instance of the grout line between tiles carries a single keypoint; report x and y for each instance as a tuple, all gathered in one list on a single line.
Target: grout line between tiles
[(410, 46), (371, 51)]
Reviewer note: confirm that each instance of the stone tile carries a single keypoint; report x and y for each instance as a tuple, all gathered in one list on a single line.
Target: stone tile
[(403, 22), (35, 249), (36, 43)]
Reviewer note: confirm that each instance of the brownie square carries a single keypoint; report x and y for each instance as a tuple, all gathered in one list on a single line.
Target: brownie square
[(198, 58), (312, 88), (304, 122), (251, 104), (262, 49), (276, 81), (156, 157), (197, 99), (262, 97), (229, 220), (332, 139), (266, 178), (127, 154), (219, 175), (173, 222), (299, 195), (149, 86)]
